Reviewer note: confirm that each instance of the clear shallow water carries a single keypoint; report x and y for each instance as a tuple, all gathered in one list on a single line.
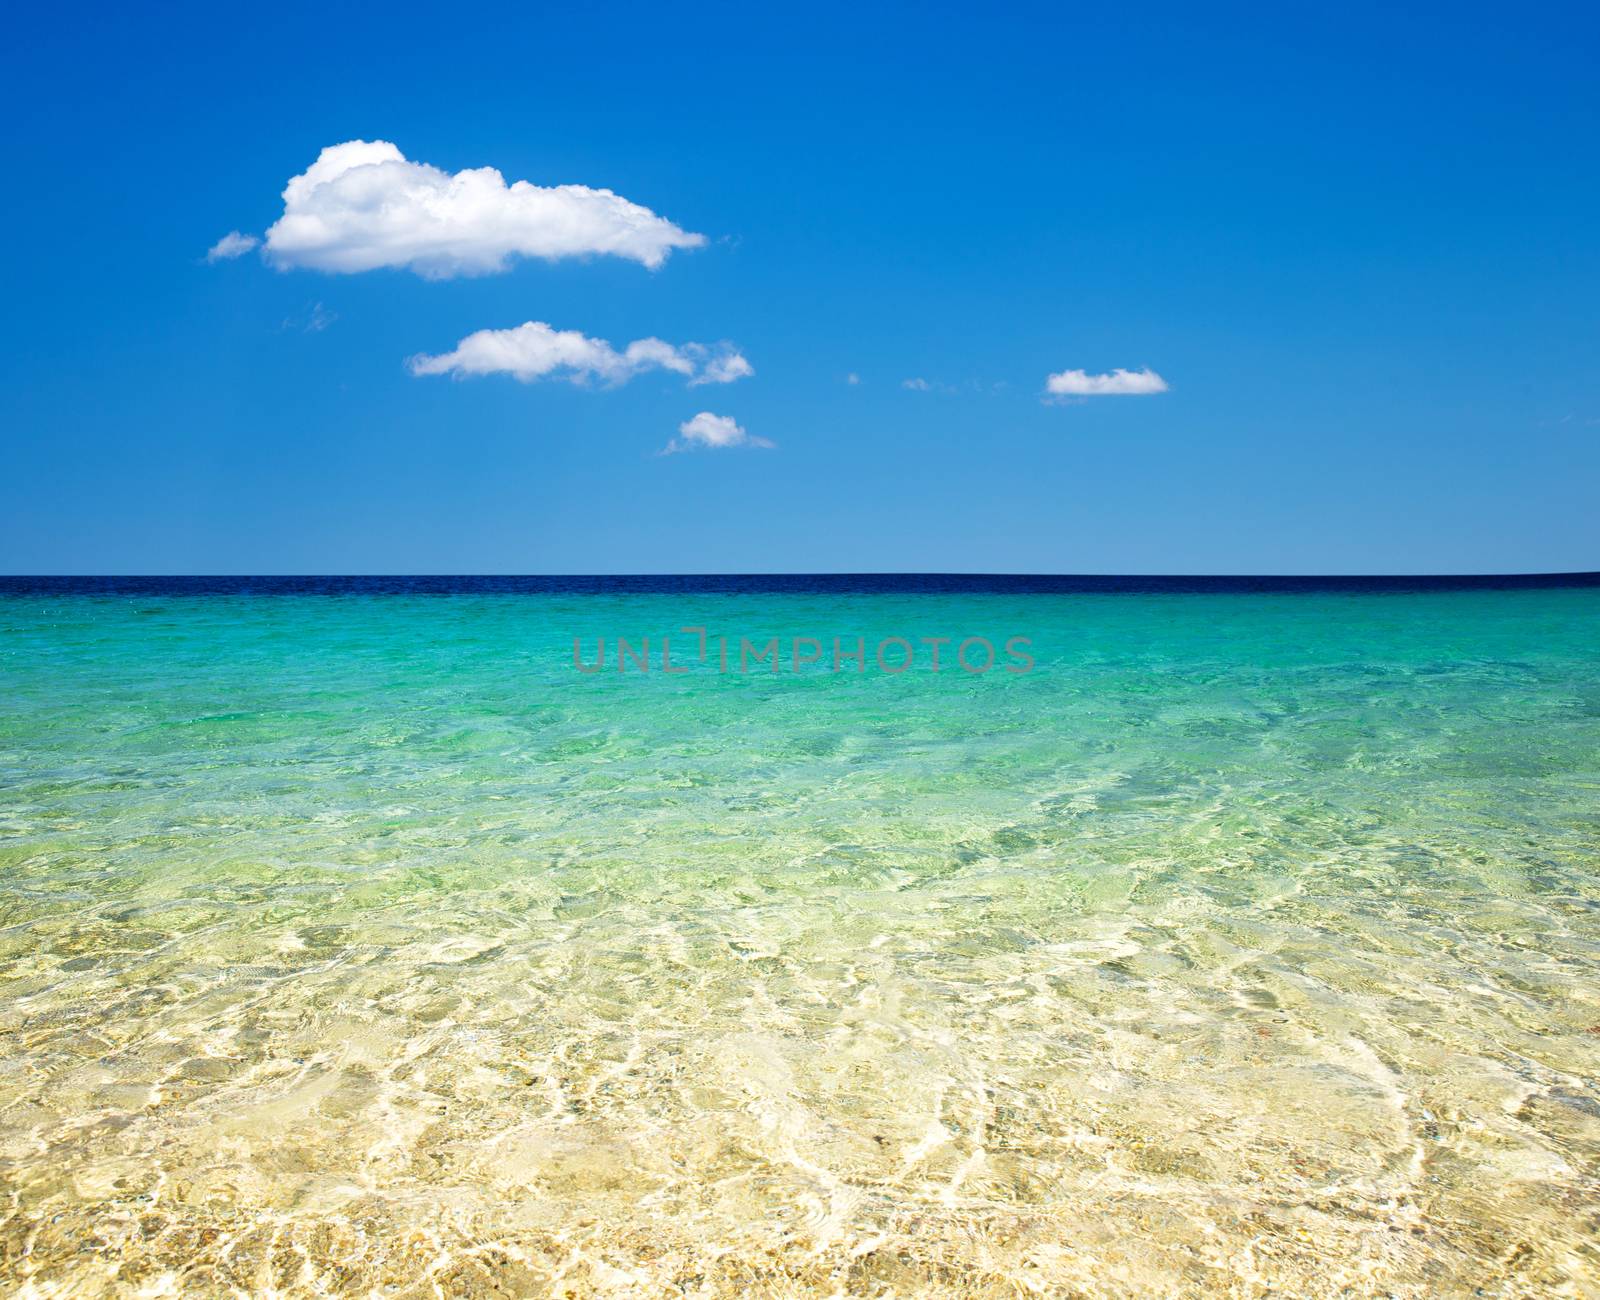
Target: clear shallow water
[(1251, 942)]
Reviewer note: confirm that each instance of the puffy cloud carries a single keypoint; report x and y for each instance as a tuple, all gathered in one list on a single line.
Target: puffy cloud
[(918, 385), (535, 350), (723, 368), (1119, 383), (230, 246), (708, 430), (363, 205)]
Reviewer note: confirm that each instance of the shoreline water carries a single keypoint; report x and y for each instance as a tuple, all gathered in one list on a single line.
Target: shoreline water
[(1247, 942)]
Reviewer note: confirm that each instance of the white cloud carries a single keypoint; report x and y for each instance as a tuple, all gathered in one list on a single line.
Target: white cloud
[(852, 379), (363, 205), (314, 320), (534, 350), (230, 246), (708, 430), (723, 368), (921, 385), (1119, 383)]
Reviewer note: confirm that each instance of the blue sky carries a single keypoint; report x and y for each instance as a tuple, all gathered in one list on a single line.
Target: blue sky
[(1358, 245)]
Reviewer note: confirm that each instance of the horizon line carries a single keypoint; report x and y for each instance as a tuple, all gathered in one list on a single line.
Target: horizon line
[(793, 583), (223, 575)]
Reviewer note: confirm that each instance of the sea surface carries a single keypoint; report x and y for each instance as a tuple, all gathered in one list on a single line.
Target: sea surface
[(354, 942)]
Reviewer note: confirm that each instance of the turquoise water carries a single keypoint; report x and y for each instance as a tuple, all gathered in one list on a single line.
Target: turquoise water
[(359, 945)]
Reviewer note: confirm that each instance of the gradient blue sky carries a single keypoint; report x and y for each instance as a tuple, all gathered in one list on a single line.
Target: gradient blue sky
[(1359, 243)]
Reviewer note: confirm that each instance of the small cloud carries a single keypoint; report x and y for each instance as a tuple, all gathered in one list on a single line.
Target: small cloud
[(313, 320), (708, 430), (363, 205), (917, 385), (852, 379), (534, 350), (230, 246), (1119, 383), (726, 365)]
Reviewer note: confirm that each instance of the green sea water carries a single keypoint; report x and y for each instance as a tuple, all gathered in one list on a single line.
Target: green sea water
[(1247, 945)]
